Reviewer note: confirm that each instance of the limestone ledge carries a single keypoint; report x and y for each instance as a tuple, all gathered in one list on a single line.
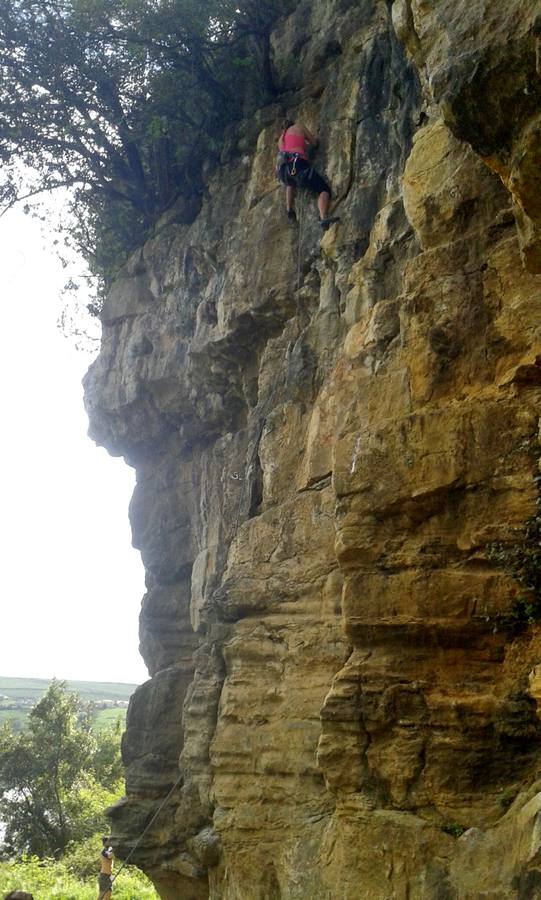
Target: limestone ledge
[(330, 432)]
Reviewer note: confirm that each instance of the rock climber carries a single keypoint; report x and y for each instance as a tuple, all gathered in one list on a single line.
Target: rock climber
[(295, 170), (105, 881)]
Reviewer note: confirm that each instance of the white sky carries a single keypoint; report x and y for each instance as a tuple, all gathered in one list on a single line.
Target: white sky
[(70, 582)]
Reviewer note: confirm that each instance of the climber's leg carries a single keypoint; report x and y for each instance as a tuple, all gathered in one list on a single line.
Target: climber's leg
[(314, 182), (323, 201), (290, 200)]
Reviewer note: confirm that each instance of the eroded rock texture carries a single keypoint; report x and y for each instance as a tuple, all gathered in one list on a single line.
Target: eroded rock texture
[(330, 434)]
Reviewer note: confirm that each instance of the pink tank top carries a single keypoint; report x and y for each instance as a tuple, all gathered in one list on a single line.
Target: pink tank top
[(294, 143)]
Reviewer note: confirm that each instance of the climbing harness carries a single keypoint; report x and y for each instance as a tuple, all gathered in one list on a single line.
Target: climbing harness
[(286, 169), (141, 836)]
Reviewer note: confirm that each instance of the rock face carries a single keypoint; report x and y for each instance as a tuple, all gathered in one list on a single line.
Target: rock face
[(331, 435)]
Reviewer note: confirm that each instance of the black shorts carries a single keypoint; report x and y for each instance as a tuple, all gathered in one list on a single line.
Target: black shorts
[(105, 883), (299, 173)]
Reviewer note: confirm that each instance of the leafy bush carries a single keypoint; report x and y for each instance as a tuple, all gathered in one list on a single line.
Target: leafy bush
[(47, 879)]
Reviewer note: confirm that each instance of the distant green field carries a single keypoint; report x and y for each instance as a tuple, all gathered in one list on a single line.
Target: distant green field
[(25, 693), (33, 688), (104, 718), (107, 718)]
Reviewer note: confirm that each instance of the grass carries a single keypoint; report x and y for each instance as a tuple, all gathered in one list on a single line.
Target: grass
[(107, 718), (50, 880)]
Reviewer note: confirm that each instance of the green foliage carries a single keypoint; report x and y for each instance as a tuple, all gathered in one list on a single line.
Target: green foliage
[(74, 878), (119, 101), (57, 776), (16, 718), (81, 858), (520, 555), (453, 828)]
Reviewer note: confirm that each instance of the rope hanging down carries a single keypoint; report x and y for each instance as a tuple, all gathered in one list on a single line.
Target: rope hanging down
[(300, 207), (239, 509), (141, 836), (243, 480)]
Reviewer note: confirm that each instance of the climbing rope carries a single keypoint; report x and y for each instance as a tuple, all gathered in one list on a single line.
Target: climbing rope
[(141, 836), (244, 478), (300, 203), (300, 206)]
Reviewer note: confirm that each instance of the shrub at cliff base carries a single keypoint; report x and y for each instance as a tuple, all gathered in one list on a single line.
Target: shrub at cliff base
[(47, 879)]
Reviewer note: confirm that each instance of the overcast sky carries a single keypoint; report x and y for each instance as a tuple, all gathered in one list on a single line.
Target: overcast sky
[(71, 584)]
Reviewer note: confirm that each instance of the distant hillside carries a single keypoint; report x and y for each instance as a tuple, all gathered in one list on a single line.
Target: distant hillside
[(19, 695)]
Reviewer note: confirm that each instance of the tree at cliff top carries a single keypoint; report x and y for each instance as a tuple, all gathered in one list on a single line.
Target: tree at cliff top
[(57, 776), (121, 102)]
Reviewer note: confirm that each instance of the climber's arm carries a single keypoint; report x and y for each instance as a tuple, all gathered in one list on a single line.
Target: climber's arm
[(309, 136)]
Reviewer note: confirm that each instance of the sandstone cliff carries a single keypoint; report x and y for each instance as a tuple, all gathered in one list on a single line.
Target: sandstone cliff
[(330, 436)]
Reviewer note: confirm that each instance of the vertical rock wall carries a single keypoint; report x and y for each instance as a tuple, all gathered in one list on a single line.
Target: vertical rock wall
[(330, 433)]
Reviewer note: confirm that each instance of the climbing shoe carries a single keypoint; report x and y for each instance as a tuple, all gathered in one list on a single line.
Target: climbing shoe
[(291, 216), (330, 220)]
